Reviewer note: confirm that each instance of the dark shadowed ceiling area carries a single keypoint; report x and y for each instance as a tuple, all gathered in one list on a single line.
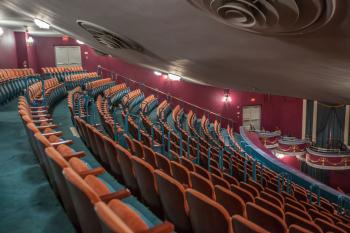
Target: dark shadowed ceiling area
[(290, 47)]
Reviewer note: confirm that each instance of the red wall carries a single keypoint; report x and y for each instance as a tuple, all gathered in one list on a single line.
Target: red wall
[(277, 111), (8, 54)]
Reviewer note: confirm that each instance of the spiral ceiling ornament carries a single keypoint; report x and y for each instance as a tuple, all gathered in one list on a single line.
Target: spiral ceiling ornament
[(272, 17)]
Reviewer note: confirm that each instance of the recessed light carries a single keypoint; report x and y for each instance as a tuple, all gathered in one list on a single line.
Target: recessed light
[(80, 42), (157, 73), (174, 77), (41, 24)]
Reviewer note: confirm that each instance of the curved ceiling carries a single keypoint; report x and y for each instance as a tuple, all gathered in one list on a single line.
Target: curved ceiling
[(307, 54)]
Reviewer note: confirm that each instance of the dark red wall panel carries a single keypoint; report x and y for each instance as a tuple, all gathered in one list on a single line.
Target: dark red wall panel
[(8, 54)]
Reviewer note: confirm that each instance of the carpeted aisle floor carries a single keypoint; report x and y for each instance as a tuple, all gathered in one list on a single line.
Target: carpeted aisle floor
[(27, 203)]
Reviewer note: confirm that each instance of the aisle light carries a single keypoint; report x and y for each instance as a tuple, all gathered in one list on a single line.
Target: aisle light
[(41, 24), (1, 31), (174, 77)]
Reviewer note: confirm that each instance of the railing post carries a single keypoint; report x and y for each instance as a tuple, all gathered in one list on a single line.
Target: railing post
[(254, 170), (245, 170)]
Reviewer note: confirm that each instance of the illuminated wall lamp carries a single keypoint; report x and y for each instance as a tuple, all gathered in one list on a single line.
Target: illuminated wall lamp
[(1, 31), (227, 98), (30, 40), (279, 155), (174, 77)]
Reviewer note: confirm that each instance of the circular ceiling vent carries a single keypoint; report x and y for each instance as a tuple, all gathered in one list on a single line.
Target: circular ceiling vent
[(273, 17), (109, 38)]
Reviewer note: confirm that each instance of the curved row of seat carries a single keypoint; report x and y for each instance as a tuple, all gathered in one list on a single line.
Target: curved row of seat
[(319, 214), (88, 198), (14, 81), (96, 87), (75, 80), (52, 92), (61, 72)]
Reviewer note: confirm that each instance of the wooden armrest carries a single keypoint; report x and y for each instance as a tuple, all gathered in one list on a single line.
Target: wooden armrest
[(95, 171), (39, 107), (68, 142), (52, 126), (78, 154), (38, 111), (57, 133), (41, 115), (165, 227), (43, 120), (116, 195)]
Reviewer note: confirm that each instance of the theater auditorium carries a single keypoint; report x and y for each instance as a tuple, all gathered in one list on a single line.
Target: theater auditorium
[(187, 116)]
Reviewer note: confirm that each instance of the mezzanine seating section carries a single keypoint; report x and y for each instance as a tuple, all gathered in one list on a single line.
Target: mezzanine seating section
[(258, 201)]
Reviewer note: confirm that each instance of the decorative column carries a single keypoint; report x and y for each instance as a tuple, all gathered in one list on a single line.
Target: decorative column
[(303, 124), (314, 122), (346, 125)]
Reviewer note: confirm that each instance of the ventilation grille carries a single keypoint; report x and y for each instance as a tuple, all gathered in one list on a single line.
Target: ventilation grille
[(276, 17), (110, 39)]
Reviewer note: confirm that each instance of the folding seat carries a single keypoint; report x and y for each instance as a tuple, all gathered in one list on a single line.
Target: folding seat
[(233, 203), (139, 149), (163, 163), (149, 156), (217, 180), (297, 211), (57, 164), (207, 215), (172, 196), (180, 173), (293, 219), (328, 227), (99, 137), (201, 184), (124, 161), (328, 206), (83, 197), (249, 188), (308, 206), (316, 214), (216, 171), (130, 144), (294, 203), (256, 185), (300, 195), (271, 198), (83, 169), (146, 183), (265, 219), (275, 194), (187, 163), (112, 153), (117, 217), (270, 206), (241, 224), (201, 171), (230, 179), (244, 194), (344, 226), (298, 229)]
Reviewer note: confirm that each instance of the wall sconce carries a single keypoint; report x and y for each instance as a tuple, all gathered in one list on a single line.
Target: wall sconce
[(252, 99), (1, 31), (29, 40), (227, 98), (157, 73)]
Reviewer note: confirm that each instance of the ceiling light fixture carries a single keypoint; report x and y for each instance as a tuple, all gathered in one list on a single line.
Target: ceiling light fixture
[(1, 31), (174, 77), (80, 42), (157, 73), (41, 24)]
